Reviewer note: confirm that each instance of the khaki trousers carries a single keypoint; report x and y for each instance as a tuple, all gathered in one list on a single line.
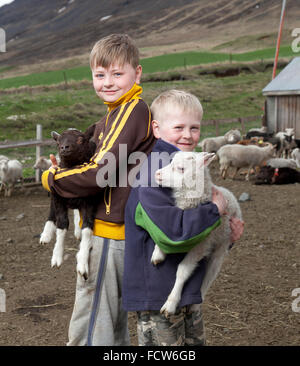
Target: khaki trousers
[(98, 318)]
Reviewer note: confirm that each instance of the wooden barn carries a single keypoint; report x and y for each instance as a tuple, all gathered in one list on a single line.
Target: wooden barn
[(282, 106)]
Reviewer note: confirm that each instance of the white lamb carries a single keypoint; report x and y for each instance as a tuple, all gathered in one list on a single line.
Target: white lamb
[(282, 163), (287, 142), (213, 144), (10, 172), (239, 156), (185, 168), (42, 163), (296, 156)]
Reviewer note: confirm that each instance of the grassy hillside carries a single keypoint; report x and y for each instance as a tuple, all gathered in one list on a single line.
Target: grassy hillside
[(55, 109), (150, 65)]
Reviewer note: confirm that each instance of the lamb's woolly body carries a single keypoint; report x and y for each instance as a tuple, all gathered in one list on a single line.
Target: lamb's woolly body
[(10, 172), (239, 156), (296, 156), (215, 246), (213, 144), (74, 148), (282, 163)]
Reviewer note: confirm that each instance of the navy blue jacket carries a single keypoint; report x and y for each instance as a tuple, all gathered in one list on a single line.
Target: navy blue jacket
[(151, 217)]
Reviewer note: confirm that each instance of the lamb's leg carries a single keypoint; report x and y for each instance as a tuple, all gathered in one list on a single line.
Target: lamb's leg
[(61, 231), (235, 173), (50, 227), (88, 214), (77, 230), (213, 268), (185, 268), (158, 255), (248, 173), (58, 251), (84, 252)]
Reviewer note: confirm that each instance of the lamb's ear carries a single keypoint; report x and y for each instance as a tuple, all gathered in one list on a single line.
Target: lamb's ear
[(55, 135), (208, 158), (80, 140)]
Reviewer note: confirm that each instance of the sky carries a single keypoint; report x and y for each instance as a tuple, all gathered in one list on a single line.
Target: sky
[(3, 2)]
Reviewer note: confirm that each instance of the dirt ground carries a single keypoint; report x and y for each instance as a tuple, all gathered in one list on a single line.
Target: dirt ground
[(250, 303)]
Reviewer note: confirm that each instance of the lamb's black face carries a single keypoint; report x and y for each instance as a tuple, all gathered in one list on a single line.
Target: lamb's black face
[(70, 143)]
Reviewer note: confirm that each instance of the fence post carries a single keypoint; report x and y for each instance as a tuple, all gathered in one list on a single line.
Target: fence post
[(39, 137), (216, 123), (241, 120)]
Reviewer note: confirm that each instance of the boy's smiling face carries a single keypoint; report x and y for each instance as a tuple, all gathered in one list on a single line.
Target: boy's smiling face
[(113, 82), (179, 128)]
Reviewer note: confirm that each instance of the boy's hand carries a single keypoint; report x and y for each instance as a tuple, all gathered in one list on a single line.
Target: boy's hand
[(53, 161), (237, 228), (219, 200)]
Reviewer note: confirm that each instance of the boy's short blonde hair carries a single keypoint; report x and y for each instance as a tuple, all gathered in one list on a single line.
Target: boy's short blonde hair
[(175, 99), (118, 48)]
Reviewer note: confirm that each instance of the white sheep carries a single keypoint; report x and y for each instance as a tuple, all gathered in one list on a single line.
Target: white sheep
[(42, 163), (296, 156), (187, 167), (239, 156), (287, 142), (213, 144), (282, 163), (10, 172), (3, 157)]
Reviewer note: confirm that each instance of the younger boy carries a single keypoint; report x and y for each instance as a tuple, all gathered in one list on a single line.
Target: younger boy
[(98, 318), (152, 218)]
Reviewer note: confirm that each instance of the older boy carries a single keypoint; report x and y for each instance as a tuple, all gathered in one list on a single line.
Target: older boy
[(151, 217), (98, 318)]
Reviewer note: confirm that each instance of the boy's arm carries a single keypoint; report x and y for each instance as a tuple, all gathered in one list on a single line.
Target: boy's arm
[(129, 127), (172, 229)]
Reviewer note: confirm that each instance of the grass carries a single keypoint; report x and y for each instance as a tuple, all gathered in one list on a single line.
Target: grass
[(150, 65), (229, 97)]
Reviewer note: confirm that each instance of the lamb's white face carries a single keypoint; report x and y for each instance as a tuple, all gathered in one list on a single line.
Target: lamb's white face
[(186, 169), (4, 166)]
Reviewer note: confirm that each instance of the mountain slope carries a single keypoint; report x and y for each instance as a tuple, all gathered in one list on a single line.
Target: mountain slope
[(45, 30)]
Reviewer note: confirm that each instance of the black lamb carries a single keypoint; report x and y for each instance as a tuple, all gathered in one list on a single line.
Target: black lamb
[(74, 148), (270, 175)]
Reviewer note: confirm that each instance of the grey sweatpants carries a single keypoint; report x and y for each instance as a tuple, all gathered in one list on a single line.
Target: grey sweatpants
[(98, 318)]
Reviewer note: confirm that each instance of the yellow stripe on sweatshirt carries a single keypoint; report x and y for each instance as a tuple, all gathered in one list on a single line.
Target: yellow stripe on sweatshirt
[(117, 132)]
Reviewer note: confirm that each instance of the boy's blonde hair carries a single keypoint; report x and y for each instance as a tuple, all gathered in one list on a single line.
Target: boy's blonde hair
[(118, 48), (175, 99)]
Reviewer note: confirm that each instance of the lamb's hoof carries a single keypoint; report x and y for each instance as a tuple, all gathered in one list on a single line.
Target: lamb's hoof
[(56, 260), (83, 270), (82, 265), (158, 256), (169, 308), (45, 238), (77, 234)]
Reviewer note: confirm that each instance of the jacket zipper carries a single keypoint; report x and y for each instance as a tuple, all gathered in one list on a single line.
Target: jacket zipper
[(107, 204)]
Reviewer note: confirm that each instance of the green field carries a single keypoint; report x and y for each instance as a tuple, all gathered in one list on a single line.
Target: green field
[(58, 109), (150, 65)]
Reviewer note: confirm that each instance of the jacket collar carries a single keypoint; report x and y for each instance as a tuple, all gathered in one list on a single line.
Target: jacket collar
[(133, 93), (162, 146)]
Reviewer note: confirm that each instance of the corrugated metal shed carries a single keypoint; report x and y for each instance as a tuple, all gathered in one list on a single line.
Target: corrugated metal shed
[(287, 82), (283, 99)]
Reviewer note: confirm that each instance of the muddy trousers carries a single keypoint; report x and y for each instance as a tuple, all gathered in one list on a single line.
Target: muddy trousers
[(184, 328), (98, 318)]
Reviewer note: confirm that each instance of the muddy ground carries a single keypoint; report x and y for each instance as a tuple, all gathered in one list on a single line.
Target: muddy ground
[(250, 303)]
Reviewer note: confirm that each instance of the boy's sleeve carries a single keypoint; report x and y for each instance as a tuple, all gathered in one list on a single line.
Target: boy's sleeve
[(130, 126), (172, 229)]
